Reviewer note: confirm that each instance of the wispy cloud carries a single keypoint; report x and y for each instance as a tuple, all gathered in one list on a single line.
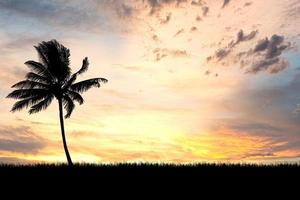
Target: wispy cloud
[(92, 16), (205, 10), (193, 29), (166, 19), (222, 53), (20, 139), (180, 31), (156, 5), (225, 3), (163, 53), (197, 3), (248, 4), (265, 56)]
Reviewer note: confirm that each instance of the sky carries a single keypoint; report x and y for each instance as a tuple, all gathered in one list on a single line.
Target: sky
[(189, 80)]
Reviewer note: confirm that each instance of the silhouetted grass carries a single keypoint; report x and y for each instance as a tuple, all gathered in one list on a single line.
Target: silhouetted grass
[(151, 166), (151, 170), (150, 175)]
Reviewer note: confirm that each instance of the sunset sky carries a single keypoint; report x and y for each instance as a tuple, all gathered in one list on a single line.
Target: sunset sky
[(189, 80)]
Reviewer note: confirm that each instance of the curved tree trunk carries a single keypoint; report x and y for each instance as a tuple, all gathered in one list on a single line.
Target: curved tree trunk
[(61, 117)]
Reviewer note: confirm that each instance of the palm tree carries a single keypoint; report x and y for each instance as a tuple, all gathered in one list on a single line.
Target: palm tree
[(51, 77)]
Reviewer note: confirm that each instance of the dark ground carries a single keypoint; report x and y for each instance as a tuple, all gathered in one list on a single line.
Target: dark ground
[(140, 177), (150, 171)]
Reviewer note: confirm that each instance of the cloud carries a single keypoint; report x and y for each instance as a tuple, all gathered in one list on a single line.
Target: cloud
[(261, 109), (21, 41), (92, 16), (175, 53), (19, 146), (156, 5), (119, 94), (241, 37), (124, 10), (35, 122), (273, 66), (179, 32), (46, 10), (259, 154), (197, 3), (227, 144), (14, 160), (292, 10), (16, 44), (20, 139), (265, 114), (254, 127), (274, 47), (207, 72), (193, 29), (167, 19), (204, 7), (248, 4), (261, 45), (205, 10), (222, 53), (266, 55), (269, 45), (9, 75), (225, 3), (155, 38), (198, 18)]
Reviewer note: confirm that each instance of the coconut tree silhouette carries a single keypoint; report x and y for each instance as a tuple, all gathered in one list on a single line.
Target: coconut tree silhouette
[(49, 78)]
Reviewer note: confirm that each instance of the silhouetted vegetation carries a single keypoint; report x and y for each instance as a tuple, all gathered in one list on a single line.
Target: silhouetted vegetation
[(149, 170), (151, 179), (51, 78)]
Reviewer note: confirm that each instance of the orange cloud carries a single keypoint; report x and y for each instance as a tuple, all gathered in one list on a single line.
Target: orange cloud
[(228, 145)]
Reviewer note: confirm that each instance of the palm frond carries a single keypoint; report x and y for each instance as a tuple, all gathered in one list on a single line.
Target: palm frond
[(39, 68), (25, 103), (84, 68), (56, 58), (75, 96), (28, 84), (42, 105), (42, 55), (70, 81), (27, 93), (83, 86), (35, 77), (68, 105), (51, 77)]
